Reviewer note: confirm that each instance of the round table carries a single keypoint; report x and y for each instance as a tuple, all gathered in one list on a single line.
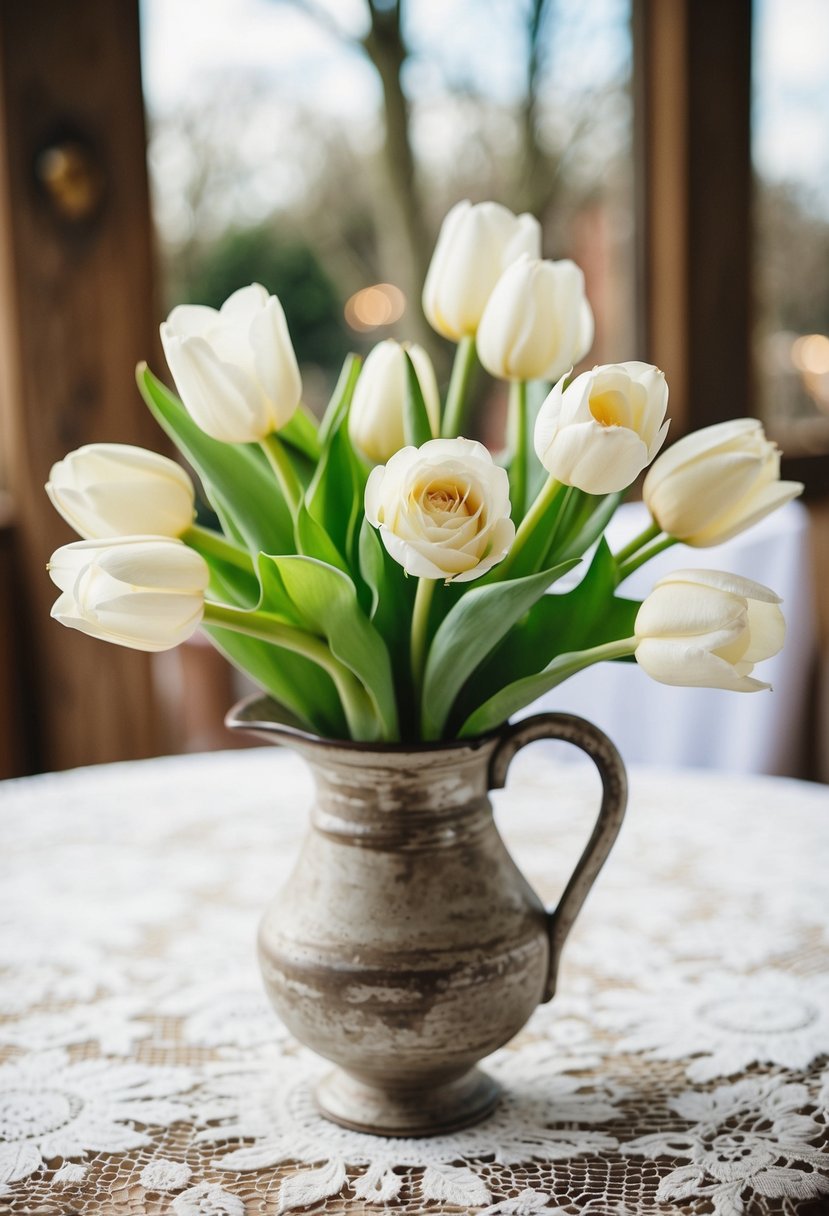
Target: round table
[(682, 1067)]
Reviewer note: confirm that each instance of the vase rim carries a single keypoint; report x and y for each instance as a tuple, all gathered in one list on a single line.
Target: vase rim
[(250, 714)]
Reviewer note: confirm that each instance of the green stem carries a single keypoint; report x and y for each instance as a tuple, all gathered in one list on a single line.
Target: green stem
[(542, 501), (268, 627), (280, 462), (577, 660), (633, 563), (454, 415), (213, 544), (420, 628), (518, 443), (650, 533)]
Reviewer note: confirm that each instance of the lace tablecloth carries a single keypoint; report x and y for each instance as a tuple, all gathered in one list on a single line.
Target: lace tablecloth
[(681, 1068)]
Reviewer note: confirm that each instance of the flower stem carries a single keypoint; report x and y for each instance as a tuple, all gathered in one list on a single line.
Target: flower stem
[(454, 415), (420, 627), (633, 563), (212, 544), (577, 660), (542, 501), (518, 434), (268, 627), (650, 533), (280, 462)]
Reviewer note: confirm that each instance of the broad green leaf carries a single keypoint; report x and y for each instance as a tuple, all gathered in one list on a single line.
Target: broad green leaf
[(237, 483), (589, 615), (301, 433), (230, 585), (327, 601), (416, 425), (340, 402), (300, 686), (515, 696), (335, 496), (591, 527), (313, 541), (392, 593), (471, 630)]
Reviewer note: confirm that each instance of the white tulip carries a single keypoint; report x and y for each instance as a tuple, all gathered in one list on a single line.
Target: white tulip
[(235, 369), (442, 509), (716, 482), (705, 629), (375, 420), (475, 246), (537, 322), (113, 489), (145, 592), (600, 431)]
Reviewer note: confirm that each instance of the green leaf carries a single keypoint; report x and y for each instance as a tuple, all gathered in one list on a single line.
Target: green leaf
[(592, 526), (335, 496), (472, 629), (326, 599), (301, 433), (416, 425), (235, 479), (313, 541), (338, 406), (300, 686), (515, 696), (532, 556), (589, 615)]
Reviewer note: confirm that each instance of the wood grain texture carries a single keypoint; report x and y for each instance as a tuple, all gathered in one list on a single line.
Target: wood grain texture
[(77, 314)]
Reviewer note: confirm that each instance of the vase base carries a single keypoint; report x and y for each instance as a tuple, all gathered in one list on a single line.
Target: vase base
[(407, 1112)]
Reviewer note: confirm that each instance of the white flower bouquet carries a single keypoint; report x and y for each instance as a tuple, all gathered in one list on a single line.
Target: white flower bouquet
[(384, 578)]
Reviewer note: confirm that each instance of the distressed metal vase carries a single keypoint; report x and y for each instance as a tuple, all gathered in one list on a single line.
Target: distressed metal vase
[(407, 945)]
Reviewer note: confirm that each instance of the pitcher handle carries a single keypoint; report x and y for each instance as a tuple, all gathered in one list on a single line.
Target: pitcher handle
[(611, 768)]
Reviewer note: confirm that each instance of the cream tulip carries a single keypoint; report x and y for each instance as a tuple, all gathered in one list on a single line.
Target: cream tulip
[(475, 246), (114, 489), (144, 592), (537, 323), (443, 509), (600, 431), (376, 416), (706, 629), (235, 369), (716, 482)]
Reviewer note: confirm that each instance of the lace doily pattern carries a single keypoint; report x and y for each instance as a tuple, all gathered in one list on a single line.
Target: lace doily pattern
[(682, 1068)]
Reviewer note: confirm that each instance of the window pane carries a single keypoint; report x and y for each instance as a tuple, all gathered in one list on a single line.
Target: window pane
[(268, 160), (790, 144)]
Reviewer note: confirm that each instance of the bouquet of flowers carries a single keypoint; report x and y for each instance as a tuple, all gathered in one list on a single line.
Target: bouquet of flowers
[(384, 578)]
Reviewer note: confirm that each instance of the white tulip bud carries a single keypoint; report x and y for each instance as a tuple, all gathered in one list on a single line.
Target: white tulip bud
[(600, 432), (235, 369), (378, 407), (113, 489), (706, 629), (145, 592), (717, 482), (537, 322), (443, 509), (475, 246)]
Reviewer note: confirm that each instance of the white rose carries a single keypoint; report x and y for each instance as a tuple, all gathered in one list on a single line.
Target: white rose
[(113, 489), (442, 509), (144, 592), (537, 322), (716, 482), (378, 407), (600, 432), (706, 629), (235, 369), (474, 248)]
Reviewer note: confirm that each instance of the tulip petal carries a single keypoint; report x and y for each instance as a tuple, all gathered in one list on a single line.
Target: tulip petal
[(244, 305), (686, 665), (191, 321), (699, 444), (773, 496), (221, 398), (596, 459), (767, 627), (687, 609), (721, 580), (275, 361)]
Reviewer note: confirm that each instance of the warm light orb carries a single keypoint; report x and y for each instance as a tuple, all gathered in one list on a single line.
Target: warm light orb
[(372, 307), (811, 354)]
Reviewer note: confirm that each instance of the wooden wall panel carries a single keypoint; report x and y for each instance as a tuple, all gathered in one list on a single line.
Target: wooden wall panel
[(76, 314)]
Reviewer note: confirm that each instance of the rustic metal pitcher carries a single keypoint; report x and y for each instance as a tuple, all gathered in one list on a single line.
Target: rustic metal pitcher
[(407, 945)]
